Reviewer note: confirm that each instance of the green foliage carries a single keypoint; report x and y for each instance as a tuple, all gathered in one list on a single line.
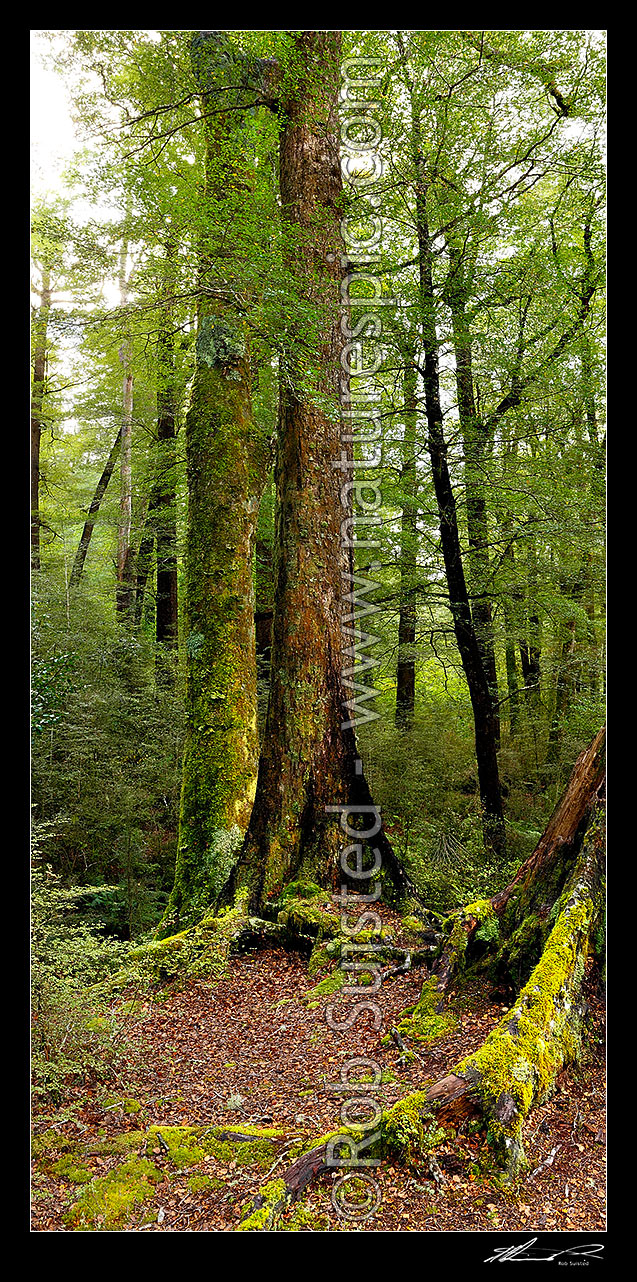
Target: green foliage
[(50, 685), (73, 1035), (107, 768)]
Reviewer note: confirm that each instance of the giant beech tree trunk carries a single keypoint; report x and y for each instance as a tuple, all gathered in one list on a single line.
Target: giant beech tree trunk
[(37, 409), (309, 759), (306, 759), (227, 457)]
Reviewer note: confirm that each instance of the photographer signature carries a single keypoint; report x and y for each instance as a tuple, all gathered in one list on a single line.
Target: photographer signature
[(525, 1252)]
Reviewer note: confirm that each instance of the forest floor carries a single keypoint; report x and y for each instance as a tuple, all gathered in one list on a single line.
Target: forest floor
[(248, 1050)]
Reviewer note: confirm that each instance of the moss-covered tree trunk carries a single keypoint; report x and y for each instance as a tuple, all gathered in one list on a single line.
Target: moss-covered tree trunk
[(226, 467)]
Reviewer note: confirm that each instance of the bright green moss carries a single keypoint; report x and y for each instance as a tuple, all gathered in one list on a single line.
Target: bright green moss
[(107, 1201), (423, 1023), (319, 960), (70, 1169), (304, 917), (201, 950), (271, 1198), (303, 1219), (260, 1150), (50, 1141), (409, 1129), (183, 1147), (487, 929), (330, 984), (302, 890)]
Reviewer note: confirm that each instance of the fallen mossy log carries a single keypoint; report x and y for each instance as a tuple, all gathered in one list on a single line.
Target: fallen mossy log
[(541, 1034)]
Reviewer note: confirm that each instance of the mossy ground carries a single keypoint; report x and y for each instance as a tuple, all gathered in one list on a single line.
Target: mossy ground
[(250, 1035), (117, 1199)]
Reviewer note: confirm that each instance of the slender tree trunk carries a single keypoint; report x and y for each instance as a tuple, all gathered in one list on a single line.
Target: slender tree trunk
[(531, 645), (89, 524), (511, 629), (143, 563), (485, 722), (37, 409), (475, 438), (406, 666), (564, 689), (125, 556), (160, 526), (264, 599), (166, 505)]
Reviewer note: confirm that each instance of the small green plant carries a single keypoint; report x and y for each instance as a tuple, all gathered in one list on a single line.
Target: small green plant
[(73, 1035)]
